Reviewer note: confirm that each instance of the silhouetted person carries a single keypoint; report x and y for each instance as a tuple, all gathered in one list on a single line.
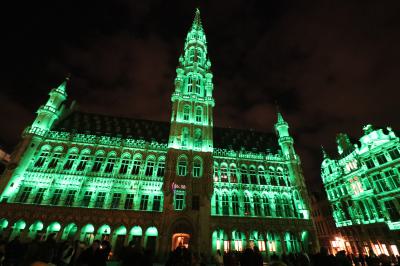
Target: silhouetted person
[(219, 260), (342, 260), (258, 259), (92, 256), (14, 252), (322, 258)]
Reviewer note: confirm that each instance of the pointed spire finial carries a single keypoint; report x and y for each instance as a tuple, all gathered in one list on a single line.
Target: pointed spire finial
[(279, 114), (197, 21)]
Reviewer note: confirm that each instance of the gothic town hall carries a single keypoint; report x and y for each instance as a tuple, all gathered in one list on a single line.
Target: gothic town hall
[(187, 182)]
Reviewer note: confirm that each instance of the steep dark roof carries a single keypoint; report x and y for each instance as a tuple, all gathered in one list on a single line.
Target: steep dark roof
[(237, 139), (102, 125)]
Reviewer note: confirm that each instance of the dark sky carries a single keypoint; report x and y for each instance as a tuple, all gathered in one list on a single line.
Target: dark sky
[(333, 66)]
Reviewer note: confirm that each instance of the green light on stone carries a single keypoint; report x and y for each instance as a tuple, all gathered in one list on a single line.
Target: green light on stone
[(120, 230), (36, 226), (136, 231), (54, 227), (151, 231)]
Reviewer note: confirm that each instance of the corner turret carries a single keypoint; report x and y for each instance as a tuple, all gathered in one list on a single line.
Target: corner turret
[(47, 114), (284, 138)]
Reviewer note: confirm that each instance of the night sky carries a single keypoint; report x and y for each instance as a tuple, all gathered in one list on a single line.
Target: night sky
[(333, 66)]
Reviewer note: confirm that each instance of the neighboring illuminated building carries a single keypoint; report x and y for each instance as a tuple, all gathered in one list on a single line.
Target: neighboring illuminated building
[(363, 187), (91, 176)]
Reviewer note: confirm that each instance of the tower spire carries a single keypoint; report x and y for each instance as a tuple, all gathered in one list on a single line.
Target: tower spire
[(63, 86), (197, 21)]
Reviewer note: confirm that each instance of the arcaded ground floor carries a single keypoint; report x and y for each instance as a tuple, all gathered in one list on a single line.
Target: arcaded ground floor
[(156, 231)]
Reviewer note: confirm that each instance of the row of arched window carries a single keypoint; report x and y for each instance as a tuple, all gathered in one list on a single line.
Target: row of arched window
[(250, 175), (182, 167), (187, 113), (196, 55), (197, 138), (99, 162), (253, 205)]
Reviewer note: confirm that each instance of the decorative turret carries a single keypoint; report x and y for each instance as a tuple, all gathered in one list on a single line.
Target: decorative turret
[(343, 144), (284, 138), (192, 101), (51, 111)]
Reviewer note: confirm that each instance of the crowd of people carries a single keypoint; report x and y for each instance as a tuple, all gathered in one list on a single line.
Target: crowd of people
[(76, 253)]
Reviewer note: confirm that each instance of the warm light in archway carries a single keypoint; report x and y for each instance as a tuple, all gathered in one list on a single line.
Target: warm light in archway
[(180, 239)]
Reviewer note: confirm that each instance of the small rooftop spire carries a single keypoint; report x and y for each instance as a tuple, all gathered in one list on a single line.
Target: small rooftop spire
[(324, 154), (62, 87)]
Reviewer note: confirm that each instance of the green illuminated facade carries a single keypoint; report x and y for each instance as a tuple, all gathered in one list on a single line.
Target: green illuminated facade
[(91, 176), (363, 187)]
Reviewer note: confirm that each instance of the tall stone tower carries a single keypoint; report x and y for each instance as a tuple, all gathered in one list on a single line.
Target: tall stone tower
[(188, 180), (33, 135)]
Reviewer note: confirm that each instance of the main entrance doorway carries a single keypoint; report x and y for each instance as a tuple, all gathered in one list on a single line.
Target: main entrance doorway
[(180, 239)]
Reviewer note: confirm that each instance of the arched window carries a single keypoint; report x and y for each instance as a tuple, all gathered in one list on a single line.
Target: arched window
[(279, 177), (235, 204), (149, 166), (190, 84), (98, 161), (243, 174), (161, 167), (224, 172), (216, 203), (257, 205), (186, 112), (286, 207), (199, 56), (197, 167), (83, 161), (198, 85), (261, 176), (233, 174), (199, 113), (216, 172), (182, 166), (253, 176), (123, 169), (197, 138), (225, 204), (42, 159), (137, 162), (110, 164), (191, 55), (271, 174), (247, 205), (185, 137), (70, 160), (266, 205), (56, 158), (278, 207)]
